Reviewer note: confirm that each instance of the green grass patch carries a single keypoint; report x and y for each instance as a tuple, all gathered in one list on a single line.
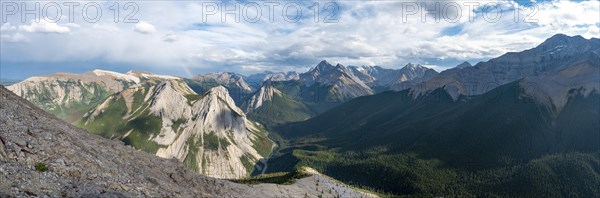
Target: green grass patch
[(284, 178), (191, 98), (138, 99), (41, 167), (211, 141), (144, 127), (247, 164), (262, 144), (282, 109), (190, 160), (177, 123), (109, 123)]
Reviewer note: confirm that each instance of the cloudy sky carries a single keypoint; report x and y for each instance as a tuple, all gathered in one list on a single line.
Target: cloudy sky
[(188, 37)]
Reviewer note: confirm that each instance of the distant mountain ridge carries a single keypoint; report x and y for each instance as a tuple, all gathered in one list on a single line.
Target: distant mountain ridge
[(70, 96), (344, 84), (259, 78), (381, 77), (528, 132), (554, 54)]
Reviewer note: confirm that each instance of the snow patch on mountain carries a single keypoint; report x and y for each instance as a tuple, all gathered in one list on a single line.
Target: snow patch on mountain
[(116, 75)]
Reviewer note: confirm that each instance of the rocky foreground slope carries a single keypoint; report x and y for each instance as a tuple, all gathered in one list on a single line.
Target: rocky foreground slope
[(43, 155)]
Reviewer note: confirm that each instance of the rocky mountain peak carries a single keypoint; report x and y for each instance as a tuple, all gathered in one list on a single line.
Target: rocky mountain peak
[(219, 91), (265, 93), (178, 123), (322, 67), (562, 39), (228, 79), (563, 45), (464, 65), (259, 78), (167, 98), (416, 69), (412, 66), (345, 83), (326, 70), (545, 61), (220, 76), (324, 63)]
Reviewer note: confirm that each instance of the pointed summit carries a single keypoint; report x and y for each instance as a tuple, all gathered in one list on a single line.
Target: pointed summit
[(228, 79), (221, 92), (324, 63), (339, 77), (322, 66), (218, 90), (562, 37), (464, 65), (265, 93), (414, 71), (412, 67), (562, 40)]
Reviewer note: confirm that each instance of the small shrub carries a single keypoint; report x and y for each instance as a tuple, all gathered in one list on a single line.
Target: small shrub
[(41, 167)]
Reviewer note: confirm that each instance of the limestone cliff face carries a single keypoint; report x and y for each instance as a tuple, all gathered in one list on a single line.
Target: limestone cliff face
[(208, 132), (264, 94), (69, 95), (223, 142)]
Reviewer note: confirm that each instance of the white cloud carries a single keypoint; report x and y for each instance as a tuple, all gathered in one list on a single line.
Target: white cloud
[(16, 37), (143, 27), (44, 26), (593, 31), (7, 27), (369, 33), (568, 13)]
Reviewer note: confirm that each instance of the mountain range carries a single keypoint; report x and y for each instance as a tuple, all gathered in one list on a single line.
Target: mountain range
[(41, 155), (535, 119), (196, 120), (496, 128)]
